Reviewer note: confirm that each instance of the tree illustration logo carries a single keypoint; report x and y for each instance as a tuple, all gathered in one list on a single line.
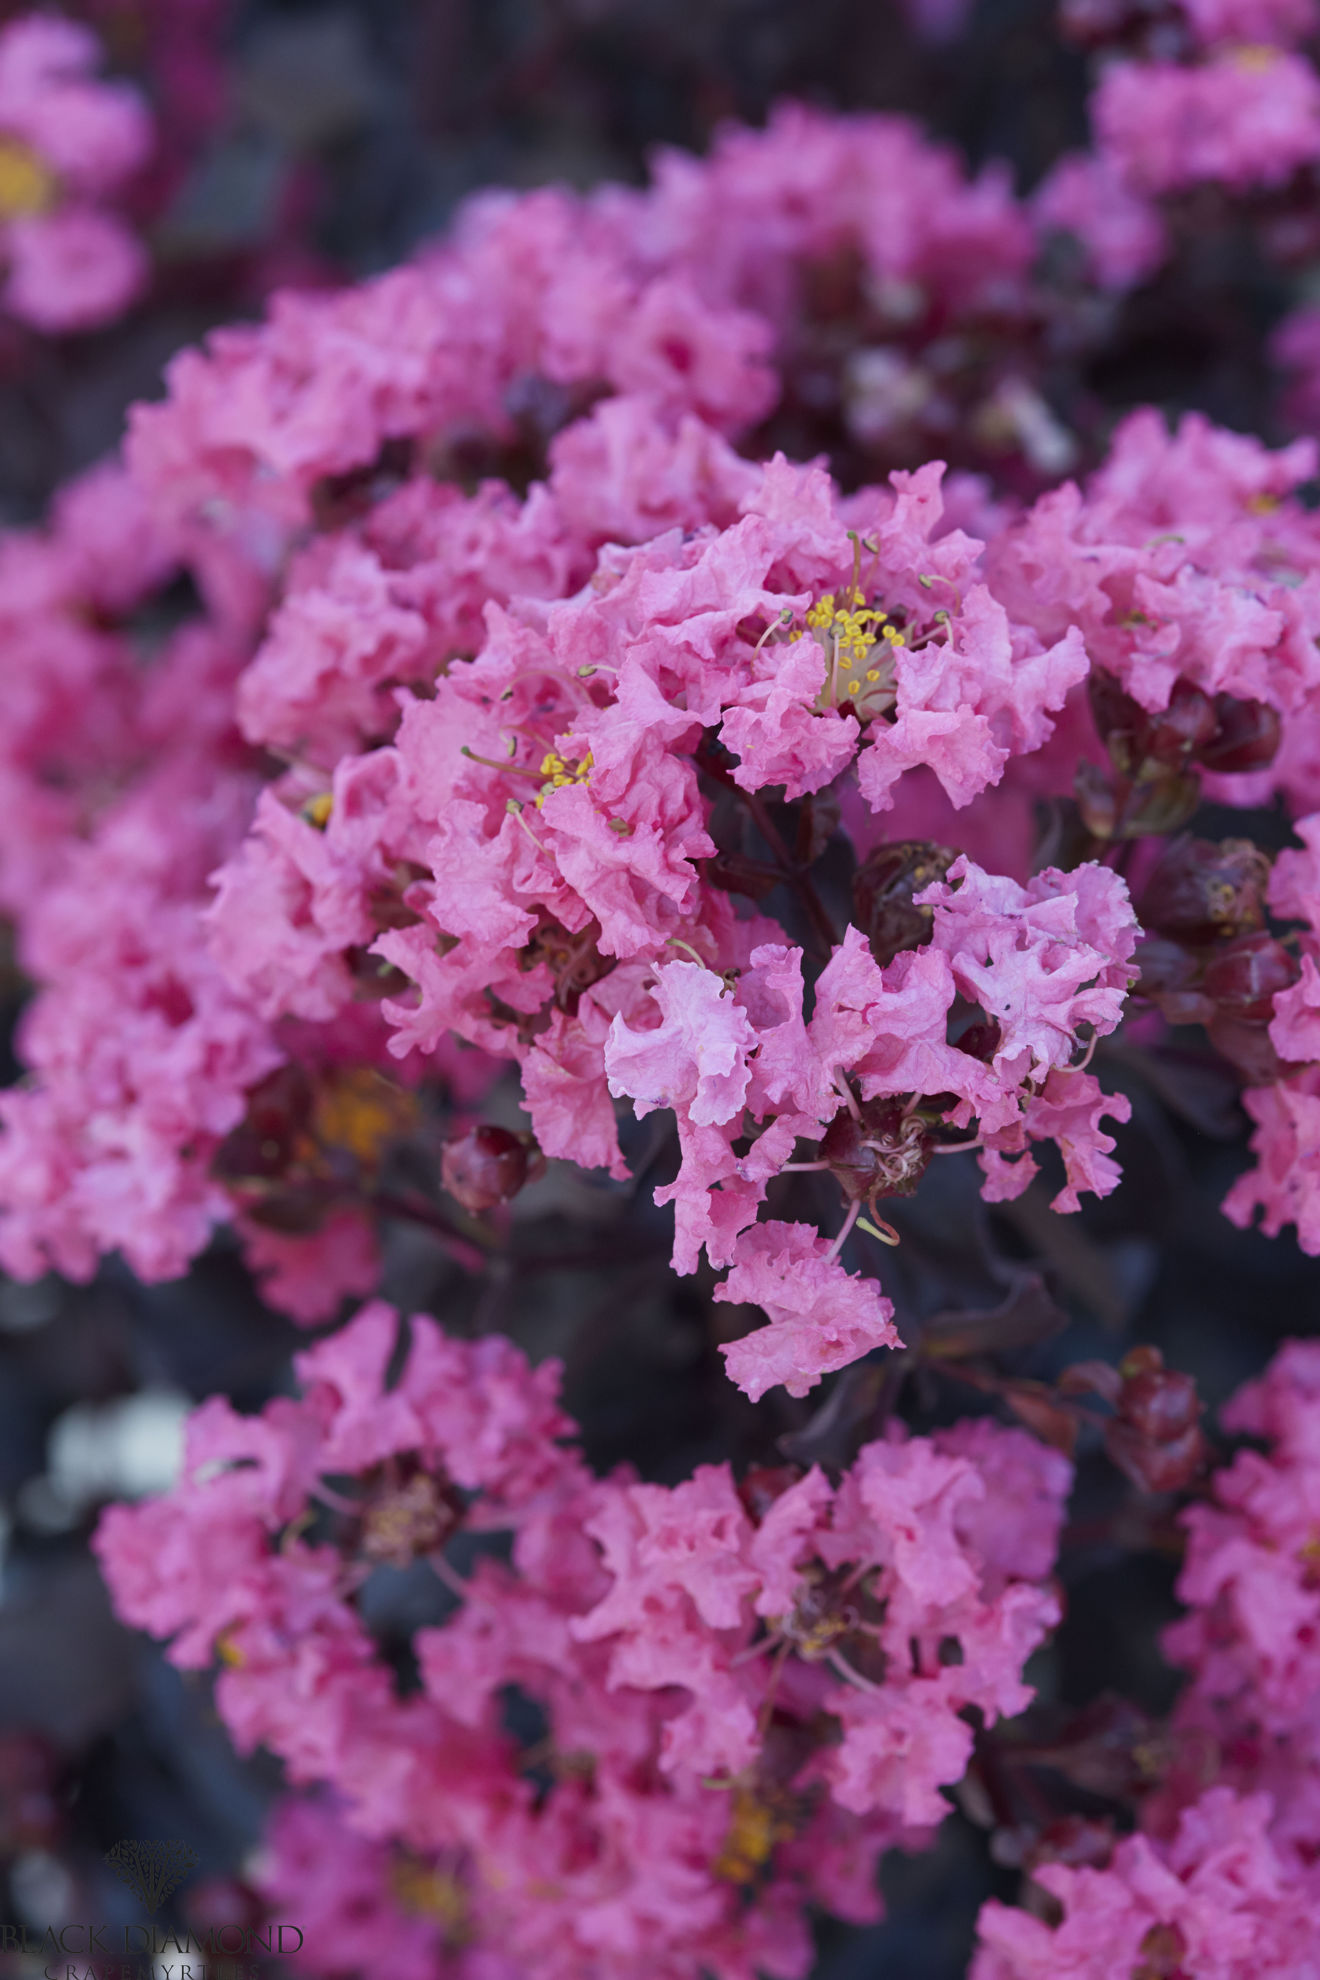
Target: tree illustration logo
[(152, 1869)]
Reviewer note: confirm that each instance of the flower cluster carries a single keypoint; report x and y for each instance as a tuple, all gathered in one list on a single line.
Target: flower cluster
[(630, 691), (1216, 1901), (741, 1693), (1250, 1585), (69, 144), (1224, 1882), (507, 769)]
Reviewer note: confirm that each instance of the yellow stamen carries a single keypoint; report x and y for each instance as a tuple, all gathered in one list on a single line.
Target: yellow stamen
[(317, 810), (558, 774), (361, 1111)]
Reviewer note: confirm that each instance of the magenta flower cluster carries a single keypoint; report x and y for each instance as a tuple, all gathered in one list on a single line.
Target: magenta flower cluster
[(459, 689), (723, 1671)]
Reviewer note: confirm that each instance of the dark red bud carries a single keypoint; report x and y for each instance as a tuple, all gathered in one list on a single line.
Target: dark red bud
[(1112, 708), (1170, 978), (1160, 1404), (1184, 728), (1134, 737), (1096, 1378), (1244, 977), (980, 1040), (488, 1165), (1202, 891), (883, 887), (1246, 735), (1166, 1467), (734, 873)]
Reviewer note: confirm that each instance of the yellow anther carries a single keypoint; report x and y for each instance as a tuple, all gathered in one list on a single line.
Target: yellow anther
[(848, 630), (317, 810), (558, 774), (361, 1112)]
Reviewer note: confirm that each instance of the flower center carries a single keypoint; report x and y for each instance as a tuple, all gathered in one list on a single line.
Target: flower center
[(27, 184), (858, 641), (558, 773)]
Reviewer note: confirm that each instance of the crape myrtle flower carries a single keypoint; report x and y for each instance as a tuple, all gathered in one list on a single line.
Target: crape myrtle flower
[(69, 142), (765, 1686)]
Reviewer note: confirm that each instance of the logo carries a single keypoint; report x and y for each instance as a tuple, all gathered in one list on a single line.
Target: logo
[(152, 1870)]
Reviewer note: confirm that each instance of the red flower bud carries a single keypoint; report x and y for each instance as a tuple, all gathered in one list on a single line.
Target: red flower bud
[(1134, 737), (1246, 975), (1160, 1404), (1156, 1467), (1202, 891), (1246, 736), (488, 1165)]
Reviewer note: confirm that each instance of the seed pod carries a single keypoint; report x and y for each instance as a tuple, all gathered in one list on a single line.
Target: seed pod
[(488, 1165), (1203, 890), (883, 887), (882, 1154)]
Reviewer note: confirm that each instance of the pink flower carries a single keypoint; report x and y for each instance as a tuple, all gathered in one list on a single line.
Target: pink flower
[(1285, 1184), (72, 270), (898, 1750), (696, 1059), (1041, 960), (1246, 117), (1120, 232), (1068, 1110), (1216, 1899), (1255, 23), (821, 1317), (310, 1276), (70, 142)]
